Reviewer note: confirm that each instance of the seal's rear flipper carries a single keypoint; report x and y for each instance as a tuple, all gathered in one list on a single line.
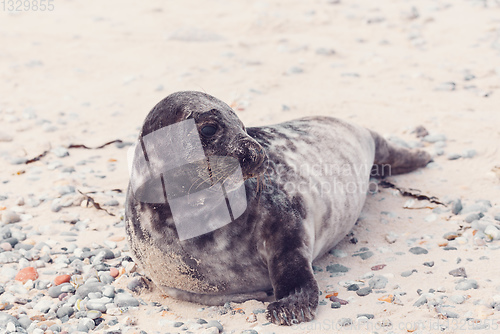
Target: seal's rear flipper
[(393, 160)]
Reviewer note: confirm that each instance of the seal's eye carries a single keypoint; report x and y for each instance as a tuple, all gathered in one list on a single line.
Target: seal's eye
[(208, 130)]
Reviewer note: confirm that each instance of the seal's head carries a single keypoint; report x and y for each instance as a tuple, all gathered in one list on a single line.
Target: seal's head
[(221, 132)]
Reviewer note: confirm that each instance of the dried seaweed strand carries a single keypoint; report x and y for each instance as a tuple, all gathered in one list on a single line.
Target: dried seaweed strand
[(409, 193)]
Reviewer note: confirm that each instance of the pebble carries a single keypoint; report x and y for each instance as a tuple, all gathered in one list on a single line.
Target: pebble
[(10, 217), (457, 299), (344, 322), (338, 253), (62, 279), (492, 232), (364, 291), (473, 216), (466, 284), (214, 323), (378, 282), (459, 272), (435, 138), (125, 300), (408, 273), (65, 311), (418, 250), (136, 284), (454, 156), (446, 86), (336, 268), (450, 236), (28, 273), (60, 152)]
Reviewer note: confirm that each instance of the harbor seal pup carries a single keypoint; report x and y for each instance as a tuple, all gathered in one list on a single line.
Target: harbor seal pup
[(303, 183)]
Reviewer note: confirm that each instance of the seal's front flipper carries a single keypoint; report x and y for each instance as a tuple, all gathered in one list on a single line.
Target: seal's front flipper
[(295, 289)]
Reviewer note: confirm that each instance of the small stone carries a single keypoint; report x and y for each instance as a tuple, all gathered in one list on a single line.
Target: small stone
[(335, 305), (10, 217), (446, 86), (60, 152), (450, 236), (420, 301), (353, 287), (364, 291), (435, 138), (366, 315), (364, 255), (418, 250), (136, 285), (65, 311), (456, 206), (449, 314), (114, 272), (378, 282), (86, 324), (459, 272), (408, 273), (28, 273), (454, 156), (337, 268), (467, 284), (112, 202), (338, 253), (125, 300), (62, 279), (344, 322), (492, 232), (215, 323), (391, 237), (457, 299), (420, 131)]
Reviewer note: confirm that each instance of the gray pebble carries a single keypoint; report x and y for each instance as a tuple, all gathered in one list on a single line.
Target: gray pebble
[(136, 285), (467, 284), (89, 287), (85, 325), (344, 322), (97, 304), (125, 300), (65, 311), (378, 282), (178, 324), (66, 189), (457, 299), (418, 250), (335, 305), (336, 268), (111, 202), (454, 156), (24, 321), (215, 323), (5, 318), (420, 301), (449, 314), (459, 272), (456, 206), (249, 331), (408, 273), (473, 216), (94, 314), (10, 217), (469, 154), (366, 315), (364, 291), (497, 217), (446, 86), (60, 152), (364, 255), (43, 305), (435, 138), (56, 290)]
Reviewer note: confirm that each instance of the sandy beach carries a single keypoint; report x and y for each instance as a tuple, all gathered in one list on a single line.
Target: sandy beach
[(77, 82)]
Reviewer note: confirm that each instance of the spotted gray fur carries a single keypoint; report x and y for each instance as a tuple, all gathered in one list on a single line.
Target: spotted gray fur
[(296, 210)]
